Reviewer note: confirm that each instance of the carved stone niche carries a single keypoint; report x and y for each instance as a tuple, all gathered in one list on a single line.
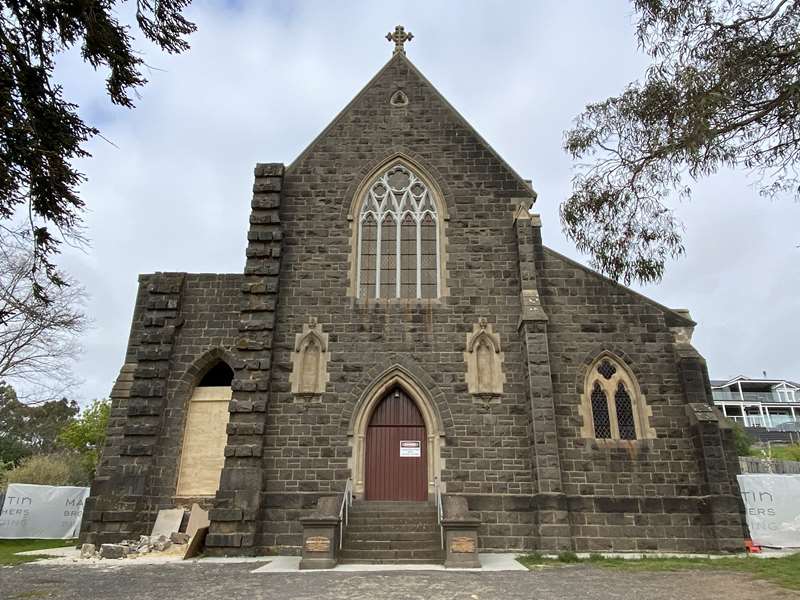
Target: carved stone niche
[(484, 360), (310, 360)]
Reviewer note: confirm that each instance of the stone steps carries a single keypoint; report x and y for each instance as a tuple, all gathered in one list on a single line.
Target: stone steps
[(431, 556), (397, 522), (397, 536), (390, 528), (392, 532), (372, 544), (390, 561)]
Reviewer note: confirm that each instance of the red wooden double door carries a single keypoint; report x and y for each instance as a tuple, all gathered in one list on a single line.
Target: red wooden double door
[(396, 460)]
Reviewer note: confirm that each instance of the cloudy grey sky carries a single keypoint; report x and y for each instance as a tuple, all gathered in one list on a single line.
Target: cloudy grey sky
[(264, 78)]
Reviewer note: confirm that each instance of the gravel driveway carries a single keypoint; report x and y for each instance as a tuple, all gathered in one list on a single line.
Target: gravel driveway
[(232, 581)]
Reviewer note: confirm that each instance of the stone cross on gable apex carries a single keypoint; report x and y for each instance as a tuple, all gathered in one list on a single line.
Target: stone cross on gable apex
[(400, 36)]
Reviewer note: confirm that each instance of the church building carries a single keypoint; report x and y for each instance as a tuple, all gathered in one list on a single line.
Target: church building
[(401, 332)]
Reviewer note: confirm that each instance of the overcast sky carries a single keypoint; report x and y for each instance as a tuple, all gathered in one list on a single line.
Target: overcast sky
[(264, 78)]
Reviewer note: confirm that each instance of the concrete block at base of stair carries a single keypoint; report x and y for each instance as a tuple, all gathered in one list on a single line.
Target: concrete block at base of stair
[(319, 542), (460, 534), (461, 544), (320, 530)]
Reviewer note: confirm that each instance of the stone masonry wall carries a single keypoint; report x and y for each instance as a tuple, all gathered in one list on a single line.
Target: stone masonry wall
[(182, 325), (307, 451)]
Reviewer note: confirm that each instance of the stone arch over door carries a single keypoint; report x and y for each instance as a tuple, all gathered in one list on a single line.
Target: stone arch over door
[(396, 376)]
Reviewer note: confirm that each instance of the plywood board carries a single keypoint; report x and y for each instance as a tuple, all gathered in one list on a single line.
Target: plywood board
[(196, 544), (197, 518), (203, 453)]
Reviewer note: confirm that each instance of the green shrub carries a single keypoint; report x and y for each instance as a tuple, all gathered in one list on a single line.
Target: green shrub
[(568, 557), (50, 469), (742, 441), (86, 434), (595, 557)]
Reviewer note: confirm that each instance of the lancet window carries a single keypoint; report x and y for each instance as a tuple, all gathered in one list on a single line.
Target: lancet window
[(613, 404)]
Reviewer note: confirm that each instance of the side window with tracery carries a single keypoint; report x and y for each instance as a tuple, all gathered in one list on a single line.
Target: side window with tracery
[(613, 407), (398, 251)]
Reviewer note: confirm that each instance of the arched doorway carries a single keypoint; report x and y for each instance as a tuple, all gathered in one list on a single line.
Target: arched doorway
[(205, 434), (396, 461)]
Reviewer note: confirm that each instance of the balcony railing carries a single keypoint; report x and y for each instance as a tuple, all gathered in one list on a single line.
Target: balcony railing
[(755, 397), (774, 422)]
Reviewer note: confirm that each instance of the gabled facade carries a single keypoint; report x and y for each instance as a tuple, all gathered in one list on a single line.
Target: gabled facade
[(397, 290)]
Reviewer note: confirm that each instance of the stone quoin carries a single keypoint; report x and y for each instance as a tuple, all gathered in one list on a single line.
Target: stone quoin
[(399, 323)]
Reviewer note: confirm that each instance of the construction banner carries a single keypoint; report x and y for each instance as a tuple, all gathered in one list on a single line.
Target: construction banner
[(42, 511), (772, 504)]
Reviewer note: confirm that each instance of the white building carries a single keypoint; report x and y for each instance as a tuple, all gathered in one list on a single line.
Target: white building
[(769, 403)]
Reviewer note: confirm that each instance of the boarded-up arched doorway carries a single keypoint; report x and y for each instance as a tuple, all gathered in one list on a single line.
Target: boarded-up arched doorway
[(396, 450), (205, 434)]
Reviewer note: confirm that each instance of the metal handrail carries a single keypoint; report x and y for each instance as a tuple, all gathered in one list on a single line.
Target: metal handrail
[(437, 490), (344, 509)]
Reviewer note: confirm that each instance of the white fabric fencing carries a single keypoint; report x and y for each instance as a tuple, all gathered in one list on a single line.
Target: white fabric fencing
[(42, 511), (772, 504)]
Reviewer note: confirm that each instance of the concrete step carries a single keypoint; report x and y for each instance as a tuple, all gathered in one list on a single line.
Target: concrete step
[(372, 544), (386, 506), (429, 555), (392, 517), (400, 536), (386, 528), (388, 561)]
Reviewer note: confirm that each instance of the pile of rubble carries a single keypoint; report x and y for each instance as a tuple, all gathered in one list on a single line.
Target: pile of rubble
[(166, 537), (145, 545)]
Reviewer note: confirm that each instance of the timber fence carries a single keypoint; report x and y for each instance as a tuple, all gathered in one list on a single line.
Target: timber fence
[(751, 464)]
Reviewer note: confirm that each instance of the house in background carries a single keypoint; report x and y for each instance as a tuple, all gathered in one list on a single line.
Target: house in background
[(760, 405)]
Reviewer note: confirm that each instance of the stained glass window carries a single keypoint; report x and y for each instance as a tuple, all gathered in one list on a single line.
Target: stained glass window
[(625, 424), (408, 257), (399, 258), (602, 420), (615, 402), (369, 237), (606, 369), (428, 259), (388, 257)]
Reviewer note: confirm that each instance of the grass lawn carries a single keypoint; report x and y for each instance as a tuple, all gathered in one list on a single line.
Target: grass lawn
[(8, 548), (784, 571)]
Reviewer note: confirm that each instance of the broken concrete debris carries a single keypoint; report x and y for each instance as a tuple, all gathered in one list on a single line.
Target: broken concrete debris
[(161, 539), (87, 550), (113, 551)]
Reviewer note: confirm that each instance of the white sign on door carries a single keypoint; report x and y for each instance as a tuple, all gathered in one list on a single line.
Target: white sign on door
[(410, 449)]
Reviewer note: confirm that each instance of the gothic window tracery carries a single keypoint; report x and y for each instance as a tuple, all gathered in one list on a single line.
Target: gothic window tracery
[(398, 238), (613, 407)]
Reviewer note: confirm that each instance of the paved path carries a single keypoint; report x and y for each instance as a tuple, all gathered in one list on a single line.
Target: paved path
[(233, 581)]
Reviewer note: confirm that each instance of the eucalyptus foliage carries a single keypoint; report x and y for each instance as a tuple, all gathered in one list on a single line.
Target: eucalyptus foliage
[(723, 90), (41, 132)]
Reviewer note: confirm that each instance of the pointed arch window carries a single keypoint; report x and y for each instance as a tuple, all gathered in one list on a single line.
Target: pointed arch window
[(398, 252), (613, 407)]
